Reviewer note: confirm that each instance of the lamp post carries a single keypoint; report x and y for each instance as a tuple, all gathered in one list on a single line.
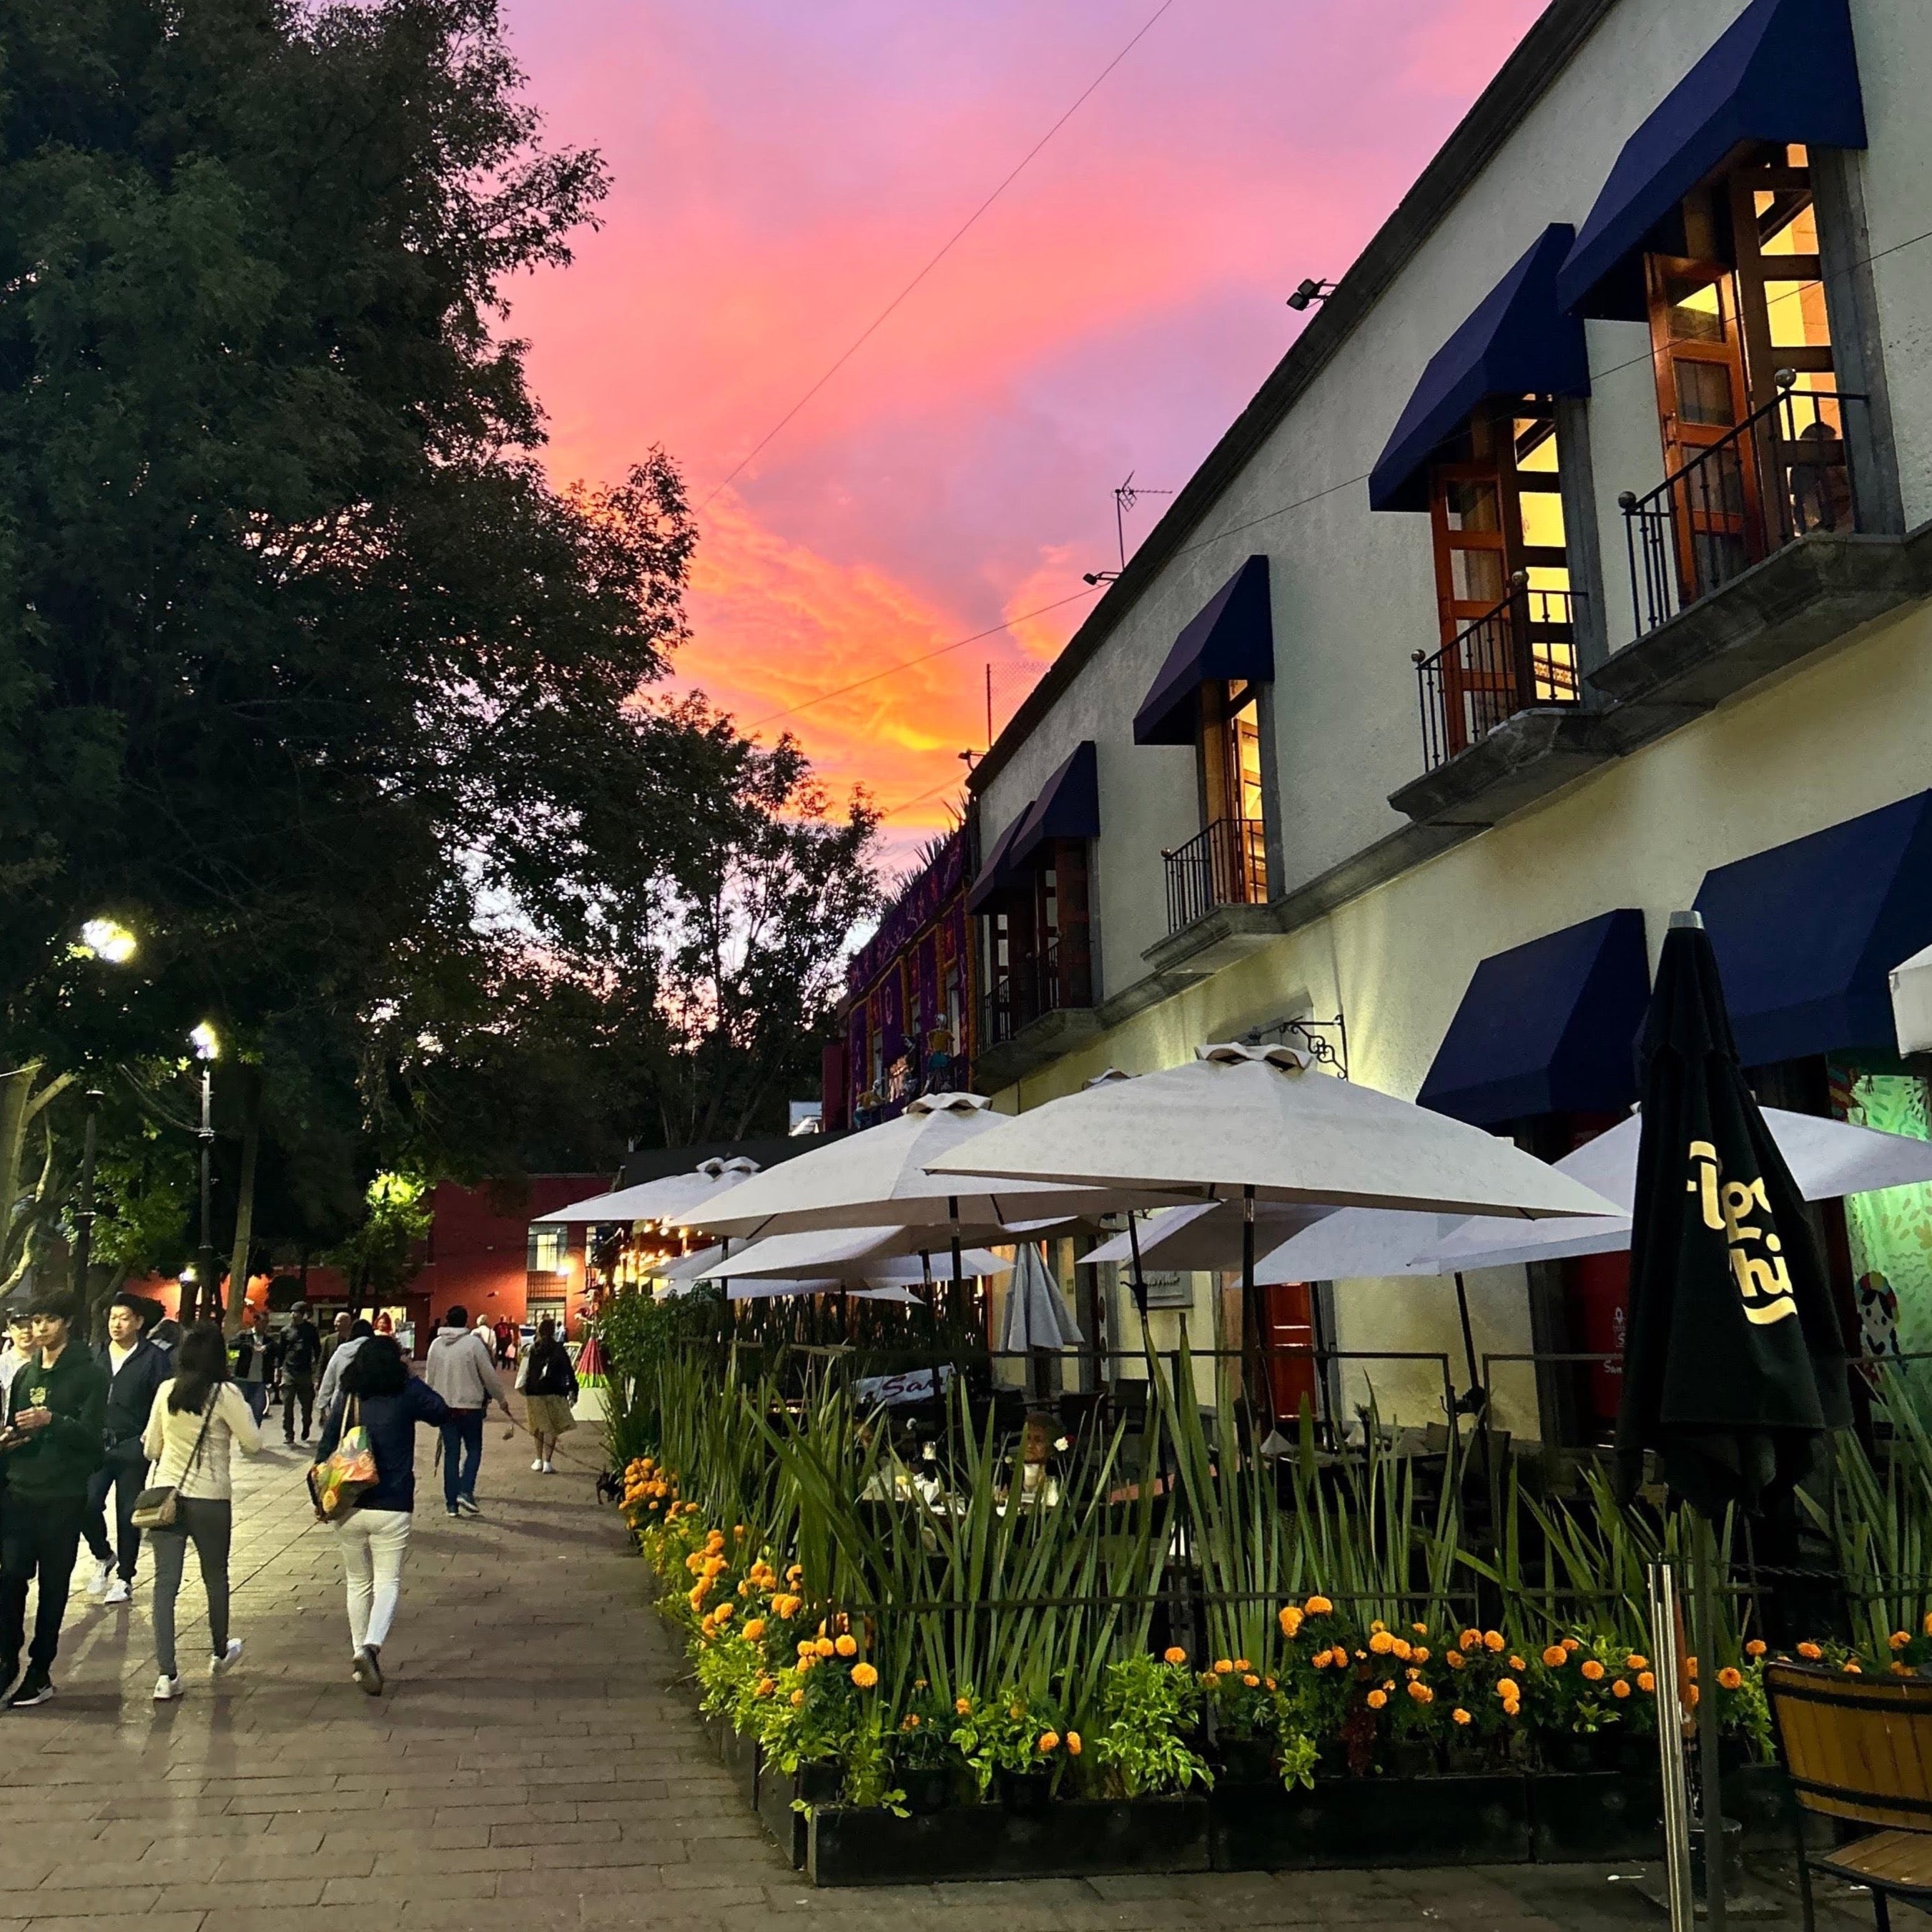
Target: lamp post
[(207, 1048), (83, 1219)]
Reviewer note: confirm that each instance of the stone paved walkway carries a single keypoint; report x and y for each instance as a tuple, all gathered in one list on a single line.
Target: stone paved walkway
[(529, 1769)]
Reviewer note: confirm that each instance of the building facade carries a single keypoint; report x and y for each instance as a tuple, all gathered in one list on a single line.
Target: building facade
[(1573, 566), (910, 1020)]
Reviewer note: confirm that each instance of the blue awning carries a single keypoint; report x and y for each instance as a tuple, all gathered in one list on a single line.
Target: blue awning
[(1231, 640), (998, 871), (1806, 933), (1785, 70), (1548, 1027), (1068, 807), (1517, 343)]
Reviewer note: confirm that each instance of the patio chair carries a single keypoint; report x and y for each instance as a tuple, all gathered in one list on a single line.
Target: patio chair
[(1860, 1749)]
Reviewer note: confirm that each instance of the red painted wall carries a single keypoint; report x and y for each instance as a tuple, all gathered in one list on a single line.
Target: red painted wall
[(479, 1247)]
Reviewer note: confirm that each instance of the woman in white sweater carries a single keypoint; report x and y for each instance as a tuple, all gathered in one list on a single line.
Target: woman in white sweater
[(198, 1416)]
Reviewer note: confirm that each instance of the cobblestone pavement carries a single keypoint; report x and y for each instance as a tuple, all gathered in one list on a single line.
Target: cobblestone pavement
[(529, 1768)]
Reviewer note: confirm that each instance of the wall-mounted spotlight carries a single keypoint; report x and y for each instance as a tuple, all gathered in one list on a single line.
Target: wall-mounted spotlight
[(1313, 290)]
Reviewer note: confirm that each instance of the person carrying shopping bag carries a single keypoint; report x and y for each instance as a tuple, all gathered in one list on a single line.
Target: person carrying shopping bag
[(198, 1417), (386, 1403)]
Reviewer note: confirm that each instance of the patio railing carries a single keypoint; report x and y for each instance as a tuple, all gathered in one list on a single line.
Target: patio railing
[(1224, 864), (1781, 474), (1520, 654), (1021, 995)]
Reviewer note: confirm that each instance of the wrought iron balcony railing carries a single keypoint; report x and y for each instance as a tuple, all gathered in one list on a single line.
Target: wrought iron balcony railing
[(1781, 474), (1520, 654), (1021, 994), (1226, 864)]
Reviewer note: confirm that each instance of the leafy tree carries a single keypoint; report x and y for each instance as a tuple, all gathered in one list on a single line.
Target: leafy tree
[(380, 1258)]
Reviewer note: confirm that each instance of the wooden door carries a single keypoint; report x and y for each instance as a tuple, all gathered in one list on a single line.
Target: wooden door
[(1474, 522), (1288, 1333), (1697, 353)]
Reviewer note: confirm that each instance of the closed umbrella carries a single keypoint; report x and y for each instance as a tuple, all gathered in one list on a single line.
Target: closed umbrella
[(1036, 1315), (1735, 1366)]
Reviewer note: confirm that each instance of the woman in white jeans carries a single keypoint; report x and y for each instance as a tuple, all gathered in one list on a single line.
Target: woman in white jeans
[(378, 1392), (198, 1417)]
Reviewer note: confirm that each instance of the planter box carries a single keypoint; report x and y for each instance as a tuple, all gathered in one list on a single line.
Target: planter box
[(1596, 1817), (1361, 1823), (786, 1825), (740, 1756), (1074, 1838)]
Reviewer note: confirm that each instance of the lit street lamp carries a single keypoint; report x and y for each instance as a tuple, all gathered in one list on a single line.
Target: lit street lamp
[(104, 939), (207, 1048)]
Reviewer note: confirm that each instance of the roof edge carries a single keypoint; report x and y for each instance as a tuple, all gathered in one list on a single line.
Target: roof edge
[(1551, 43)]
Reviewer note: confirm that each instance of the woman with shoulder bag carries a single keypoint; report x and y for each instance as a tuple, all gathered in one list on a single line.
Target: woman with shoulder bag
[(198, 1417), (380, 1395)]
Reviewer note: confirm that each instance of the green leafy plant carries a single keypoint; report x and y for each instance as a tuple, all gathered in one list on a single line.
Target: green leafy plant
[(1149, 1706)]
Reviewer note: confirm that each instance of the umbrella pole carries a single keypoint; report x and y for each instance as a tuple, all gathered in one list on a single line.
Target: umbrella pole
[(1251, 1314), (1709, 1781), (960, 1304), (1667, 1657)]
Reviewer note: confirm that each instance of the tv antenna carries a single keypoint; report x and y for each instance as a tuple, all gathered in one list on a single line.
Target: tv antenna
[(1126, 496)]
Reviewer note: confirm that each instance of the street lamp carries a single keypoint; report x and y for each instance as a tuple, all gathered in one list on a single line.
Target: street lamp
[(105, 939), (207, 1048), (108, 940)]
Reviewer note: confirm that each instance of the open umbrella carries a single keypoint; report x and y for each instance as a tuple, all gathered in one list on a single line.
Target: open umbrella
[(853, 1255), (1205, 1234), (1735, 1367), (671, 1197)]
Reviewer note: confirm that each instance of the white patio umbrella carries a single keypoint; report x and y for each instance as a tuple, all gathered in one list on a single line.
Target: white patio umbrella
[(1828, 1159), (1911, 983), (772, 1291), (671, 1197), (1036, 1316), (878, 1177), (852, 1255), (1207, 1235), (1259, 1122)]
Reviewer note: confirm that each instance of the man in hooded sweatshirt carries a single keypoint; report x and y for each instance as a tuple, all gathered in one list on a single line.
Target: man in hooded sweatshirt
[(460, 1369)]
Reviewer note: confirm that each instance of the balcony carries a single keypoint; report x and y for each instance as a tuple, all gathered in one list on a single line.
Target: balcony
[(1779, 476), (1031, 1015), (1521, 654), (1224, 865)]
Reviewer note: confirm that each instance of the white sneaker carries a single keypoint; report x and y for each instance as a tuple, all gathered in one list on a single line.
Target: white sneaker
[(229, 1658), (549, 1469), (118, 1591), (96, 1584), (166, 1690), (537, 1465)]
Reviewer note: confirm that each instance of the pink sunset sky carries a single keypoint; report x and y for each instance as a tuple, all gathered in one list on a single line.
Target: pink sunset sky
[(781, 172)]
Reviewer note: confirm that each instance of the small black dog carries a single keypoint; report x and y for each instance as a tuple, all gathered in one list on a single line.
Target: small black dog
[(610, 1488)]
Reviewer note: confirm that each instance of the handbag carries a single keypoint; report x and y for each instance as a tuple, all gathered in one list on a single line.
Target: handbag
[(341, 1479), (159, 1506)]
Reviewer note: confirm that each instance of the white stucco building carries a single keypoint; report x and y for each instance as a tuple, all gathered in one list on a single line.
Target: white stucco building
[(1574, 565)]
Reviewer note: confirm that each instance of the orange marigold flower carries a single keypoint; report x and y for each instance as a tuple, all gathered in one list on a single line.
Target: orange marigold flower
[(1174, 1653), (1381, 1643), (1268, 1683), (1223, 1667), (1899, 1669), (724, 1611), (1592, 1670), (1422, 1693), (1321, 1660), (1403, 1648), (1253, 1682), (1853, 1668), (1421, 1654), (766, 1686), (864, 1676), (1927, 1626), (797, 1699), (1454, 1659), (1810, 1652), (825, 1647), (1289, 1618), (1378, 1625), (846, 1646), (1460, 1716), (1511, 1707), (964, 1705), (1420, 1630), (754, 1629), (1049, 1741), (1646, 1681), (1470, 1639), (1555, 1656), (1517, 1663), (1899, 1639), (1318, 1605), (1621, 1688), (1508, 1688), (1073, 1744), (1633, 1662), (1412, 1673), (1730, 1678), (1493, 1640), (1377, 1698), (1756, 1648)]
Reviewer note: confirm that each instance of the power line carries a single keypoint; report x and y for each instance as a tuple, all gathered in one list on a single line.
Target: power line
[(872, 328), (1251, 523)]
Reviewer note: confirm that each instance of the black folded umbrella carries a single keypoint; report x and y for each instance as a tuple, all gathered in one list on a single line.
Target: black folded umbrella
[(1735, 1366)]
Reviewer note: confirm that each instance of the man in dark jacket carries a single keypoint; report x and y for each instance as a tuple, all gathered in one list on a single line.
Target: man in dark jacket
[(58, 1405), (135, 1370), (301, 1356)]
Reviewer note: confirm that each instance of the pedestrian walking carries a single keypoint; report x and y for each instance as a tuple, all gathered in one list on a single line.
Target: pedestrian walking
[(13, 1355), (506, 1340), (197, 1417), (251, 1364), (52, 1445), (389, 1402), (340, 1357), (459, 1369), (549, 1383), (135, 1369), (338, 1334), (301, 1355)]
